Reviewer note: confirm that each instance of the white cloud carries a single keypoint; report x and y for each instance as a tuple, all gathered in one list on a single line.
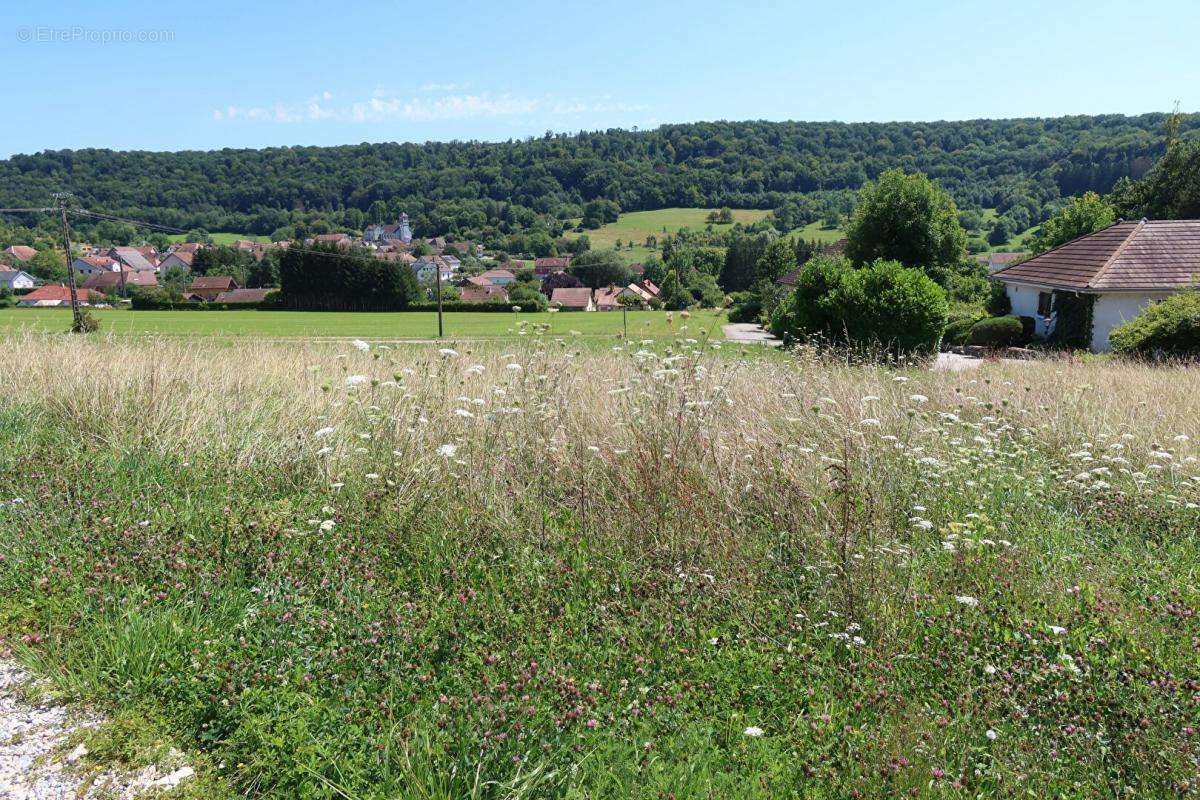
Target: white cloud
[(382, 105)]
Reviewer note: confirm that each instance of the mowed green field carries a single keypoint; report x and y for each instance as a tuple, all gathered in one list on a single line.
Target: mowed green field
[(637, 225), (224, 238), (383, 325), (817, 232)]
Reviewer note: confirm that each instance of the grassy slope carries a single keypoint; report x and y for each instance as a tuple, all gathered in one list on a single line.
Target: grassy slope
[(626, 564), (305, 324), (818, 232), (637, 225), (224, 238)]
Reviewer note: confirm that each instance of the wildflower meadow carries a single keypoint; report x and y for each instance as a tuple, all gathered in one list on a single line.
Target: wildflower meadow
[(667, 569)]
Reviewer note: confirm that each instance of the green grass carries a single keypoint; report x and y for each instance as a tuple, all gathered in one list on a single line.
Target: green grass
[(376, 326), (530, 573), (1019, 242), (816, 231), (635, 226), (220, 237)]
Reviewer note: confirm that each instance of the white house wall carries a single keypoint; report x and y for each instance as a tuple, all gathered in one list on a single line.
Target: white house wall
[(1024, 301), (1111, 310)]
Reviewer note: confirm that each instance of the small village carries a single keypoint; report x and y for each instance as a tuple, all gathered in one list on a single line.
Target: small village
[(460, 271)]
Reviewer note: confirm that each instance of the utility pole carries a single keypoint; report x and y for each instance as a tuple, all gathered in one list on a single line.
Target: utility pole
[(76, 317), (438, 267)]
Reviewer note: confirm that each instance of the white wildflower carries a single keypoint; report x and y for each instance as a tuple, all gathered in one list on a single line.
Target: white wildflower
[(447, 450), (753, 731), (360, 345)]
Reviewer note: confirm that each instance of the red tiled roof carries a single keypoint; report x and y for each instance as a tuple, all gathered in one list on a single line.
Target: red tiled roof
[(21, 252), (61, 293), (608, 297), (223, 282), (99, 262), (544, 264), (113, 280), (1152, 255), (492, 274), (482, 294), (572, 298)]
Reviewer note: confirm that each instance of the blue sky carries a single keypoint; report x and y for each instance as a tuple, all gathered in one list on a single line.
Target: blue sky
[(239, 74)]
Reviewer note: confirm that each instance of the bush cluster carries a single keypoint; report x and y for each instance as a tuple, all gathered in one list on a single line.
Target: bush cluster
[(1008, 331), (1170, 328), (882, 304)]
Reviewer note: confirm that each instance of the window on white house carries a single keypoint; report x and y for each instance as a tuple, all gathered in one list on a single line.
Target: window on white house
[(1045, 304)]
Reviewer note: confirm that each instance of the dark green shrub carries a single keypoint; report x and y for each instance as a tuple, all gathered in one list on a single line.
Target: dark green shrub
[(6, 297), (882, 304), (1169, 329), (998, 302), (746, 307), (957, 331), (998, 332)]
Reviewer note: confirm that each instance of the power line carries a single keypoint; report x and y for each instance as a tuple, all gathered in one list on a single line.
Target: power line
[(29, 210)]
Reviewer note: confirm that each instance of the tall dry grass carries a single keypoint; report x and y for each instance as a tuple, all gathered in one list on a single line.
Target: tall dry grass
[(759, 541)]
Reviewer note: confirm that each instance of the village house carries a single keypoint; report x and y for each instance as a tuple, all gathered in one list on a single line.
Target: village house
[(640, 292), (427, 268), (484, 294), (187, 247), (132, 258), (20, 252), (573, 299), (177, 260), (547, 266), (208, 287), (1124, 267), (120, 282), (16, 279), (57, 295), (90, 265), (608, 299), (498, 277), (338, 239)]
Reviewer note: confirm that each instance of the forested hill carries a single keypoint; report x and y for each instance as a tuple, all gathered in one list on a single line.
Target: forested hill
[(802, 169)]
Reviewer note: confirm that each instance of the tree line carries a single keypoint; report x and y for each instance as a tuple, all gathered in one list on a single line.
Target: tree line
[(803, 171)]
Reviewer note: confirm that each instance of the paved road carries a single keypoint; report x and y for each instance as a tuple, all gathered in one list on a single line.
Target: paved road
[(749, 332)]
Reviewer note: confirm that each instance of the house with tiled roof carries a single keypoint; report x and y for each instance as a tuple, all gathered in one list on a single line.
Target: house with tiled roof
[(16, 278), (608, 299), (1124, 267), (90, 265), (208, 287), (20, 252), (132, 258), (545, 266), (484, 294), (180, 259), (498, 277), (57, 295), (573, 299), (120, 282)]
